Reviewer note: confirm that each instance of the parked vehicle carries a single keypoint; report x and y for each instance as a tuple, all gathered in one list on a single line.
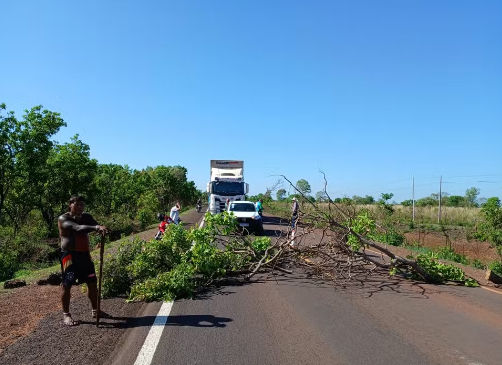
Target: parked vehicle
[(226, 182), (247, 216)]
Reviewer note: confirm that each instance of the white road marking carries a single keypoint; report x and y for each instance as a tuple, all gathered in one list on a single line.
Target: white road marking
[(147, 351), (145, 356)]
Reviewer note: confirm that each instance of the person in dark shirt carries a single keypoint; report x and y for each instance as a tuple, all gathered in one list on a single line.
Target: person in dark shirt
[(76, 263)]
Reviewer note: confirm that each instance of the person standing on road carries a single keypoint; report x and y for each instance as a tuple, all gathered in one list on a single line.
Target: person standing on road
[(76, 263), (294, 213), (175, 213), (259, 207)]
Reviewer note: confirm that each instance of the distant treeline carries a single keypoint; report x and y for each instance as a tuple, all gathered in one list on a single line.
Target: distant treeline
[(470, 199)]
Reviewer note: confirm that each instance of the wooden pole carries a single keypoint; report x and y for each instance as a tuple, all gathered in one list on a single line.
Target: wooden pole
[(101, 254), (413, 199), (439, 211)]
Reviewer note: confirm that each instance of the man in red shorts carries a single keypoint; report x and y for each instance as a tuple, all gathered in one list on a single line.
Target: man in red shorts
[(76, 263)]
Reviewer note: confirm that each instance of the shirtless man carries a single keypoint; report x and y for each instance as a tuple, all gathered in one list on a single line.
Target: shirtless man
[(76, 263)]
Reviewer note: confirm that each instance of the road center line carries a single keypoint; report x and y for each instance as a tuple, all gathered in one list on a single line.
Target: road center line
[(145, 356)]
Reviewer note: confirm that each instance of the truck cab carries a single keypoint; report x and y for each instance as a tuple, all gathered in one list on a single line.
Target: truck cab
[(227, 182)]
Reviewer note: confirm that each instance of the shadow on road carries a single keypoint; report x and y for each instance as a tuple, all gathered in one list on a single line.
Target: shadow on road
[(147, 321), (374, 284)]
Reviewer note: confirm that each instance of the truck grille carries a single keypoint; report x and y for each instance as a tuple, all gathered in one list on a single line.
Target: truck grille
[(221, 204)]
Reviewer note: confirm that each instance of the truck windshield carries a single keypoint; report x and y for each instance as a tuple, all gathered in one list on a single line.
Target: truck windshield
[(228, 188)]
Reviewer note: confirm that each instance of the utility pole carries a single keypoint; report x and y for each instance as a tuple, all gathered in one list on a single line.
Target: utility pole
[(439, 211), (413, 198)]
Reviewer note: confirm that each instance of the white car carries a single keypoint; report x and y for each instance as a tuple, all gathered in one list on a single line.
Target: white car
[(247, 216)]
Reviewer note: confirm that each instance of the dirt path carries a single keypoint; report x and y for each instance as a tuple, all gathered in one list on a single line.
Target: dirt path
[(31, 330)]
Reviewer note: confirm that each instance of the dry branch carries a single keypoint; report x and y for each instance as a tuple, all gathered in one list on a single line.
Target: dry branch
[(330, 256)]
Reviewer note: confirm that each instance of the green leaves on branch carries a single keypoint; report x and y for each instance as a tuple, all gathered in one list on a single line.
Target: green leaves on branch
[(181, 262), (364, 225), (440, 272)]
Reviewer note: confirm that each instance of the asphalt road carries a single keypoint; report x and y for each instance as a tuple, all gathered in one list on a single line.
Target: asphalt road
[(291, 319)]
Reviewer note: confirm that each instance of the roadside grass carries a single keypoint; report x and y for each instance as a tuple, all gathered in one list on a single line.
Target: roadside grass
[(427, 216)]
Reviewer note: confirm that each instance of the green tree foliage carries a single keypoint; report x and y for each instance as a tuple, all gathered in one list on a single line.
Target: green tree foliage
[(69, 170), (38, 175), (321, 196), (471, 196), (491, 230), (427, 201), (281, 194), (266, 198), (303, 186), (363, 201), (181, 262), (407, 203), (455, 201), (383, 202), (26, 145)]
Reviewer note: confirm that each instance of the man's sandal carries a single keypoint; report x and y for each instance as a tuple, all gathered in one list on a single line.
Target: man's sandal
[(68, 321)]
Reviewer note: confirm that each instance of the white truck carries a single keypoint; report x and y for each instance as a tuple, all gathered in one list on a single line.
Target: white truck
[(227, 182)]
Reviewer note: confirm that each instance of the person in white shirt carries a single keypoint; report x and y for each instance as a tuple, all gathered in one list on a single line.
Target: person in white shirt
[(175, 213)]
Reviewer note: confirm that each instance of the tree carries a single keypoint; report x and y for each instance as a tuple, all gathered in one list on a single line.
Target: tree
[(321, 196), (109, 181), (69, 170), (281, 194), (407, 203), (427, 201), (26, 145), (492, 211), (303, 186), (455, 201), (363, 201), (471, 196), (384, 197)]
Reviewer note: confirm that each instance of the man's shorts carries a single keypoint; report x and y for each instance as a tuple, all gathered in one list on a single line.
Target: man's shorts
[(77, 268)]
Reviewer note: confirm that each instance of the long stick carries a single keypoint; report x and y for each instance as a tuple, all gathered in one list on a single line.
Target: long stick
[(101, 254)]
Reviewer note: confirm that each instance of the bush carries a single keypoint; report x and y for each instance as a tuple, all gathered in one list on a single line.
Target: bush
[(446, 253), (442, 272), (178, 264), (496, 267), (390, 237), (145, 218), (8, 264), (24, 249), (478, 264), (177, 283), (116, 277)]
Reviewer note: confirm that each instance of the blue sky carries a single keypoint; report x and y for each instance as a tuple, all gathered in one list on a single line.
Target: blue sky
[(370, 92)]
